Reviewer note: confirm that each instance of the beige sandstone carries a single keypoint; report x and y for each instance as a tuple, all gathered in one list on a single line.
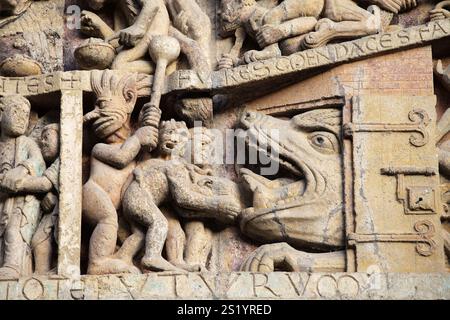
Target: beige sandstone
[(350, 109)]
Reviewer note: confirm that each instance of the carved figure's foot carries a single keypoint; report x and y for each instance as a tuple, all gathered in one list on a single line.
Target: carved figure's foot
[(270, 52), (9, 273), (159, 264), (91, 24), (325, 31), (188, 267), (111, 266)]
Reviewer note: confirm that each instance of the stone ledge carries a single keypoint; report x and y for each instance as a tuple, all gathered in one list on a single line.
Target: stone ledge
[(276, 285)]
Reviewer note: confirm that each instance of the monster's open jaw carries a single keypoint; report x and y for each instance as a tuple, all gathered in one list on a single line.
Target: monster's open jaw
[(279, 156)]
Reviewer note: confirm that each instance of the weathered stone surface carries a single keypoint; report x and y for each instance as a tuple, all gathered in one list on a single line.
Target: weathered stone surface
[(224, 150), (280, 285)]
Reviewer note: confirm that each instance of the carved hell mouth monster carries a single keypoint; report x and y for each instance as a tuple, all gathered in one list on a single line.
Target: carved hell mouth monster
[(305, 211)]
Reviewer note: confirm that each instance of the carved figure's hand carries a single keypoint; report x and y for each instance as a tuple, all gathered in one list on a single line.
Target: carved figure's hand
[(49, 202), (270, 256), (181, 21), (439, 14), (226, 61), (395, 6), (13, 180), (268, 34), (131, 35), (253, 56), (148, 136), (90, 25), (150, 115)]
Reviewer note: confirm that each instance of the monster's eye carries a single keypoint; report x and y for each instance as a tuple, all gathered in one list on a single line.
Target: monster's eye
[(206, 183), (324, 142)]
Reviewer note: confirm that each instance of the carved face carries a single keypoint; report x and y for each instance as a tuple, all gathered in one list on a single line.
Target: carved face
[(307, 144), (116, 98), (231, 12), (307, 209), (49, 143), (173, 136), (15, 116), (219, 196)]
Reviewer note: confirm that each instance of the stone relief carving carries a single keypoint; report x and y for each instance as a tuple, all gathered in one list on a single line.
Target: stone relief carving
[(330, 93), (21, 213), (291, 26)]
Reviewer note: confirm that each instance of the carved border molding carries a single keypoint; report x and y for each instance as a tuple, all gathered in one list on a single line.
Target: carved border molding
[(276, 285)]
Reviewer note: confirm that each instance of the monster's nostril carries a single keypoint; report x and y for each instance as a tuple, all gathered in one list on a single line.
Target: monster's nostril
[(249, 116)]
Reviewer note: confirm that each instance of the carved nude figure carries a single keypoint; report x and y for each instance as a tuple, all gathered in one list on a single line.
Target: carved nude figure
[(44, 238), (20, 212), (112, 162), (191, 27), (135, 26), (303, 211), (195, 194), (294, 25)]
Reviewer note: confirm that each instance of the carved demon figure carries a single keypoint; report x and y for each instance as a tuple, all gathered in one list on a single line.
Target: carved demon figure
[(305, 211), (112, 162), (191, 190)]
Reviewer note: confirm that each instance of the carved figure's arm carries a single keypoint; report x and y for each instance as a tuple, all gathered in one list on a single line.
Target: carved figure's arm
[(150, 9), (270, 33), (32, 184), (182, 193), (117, 157), (395, 6), (122, 156)]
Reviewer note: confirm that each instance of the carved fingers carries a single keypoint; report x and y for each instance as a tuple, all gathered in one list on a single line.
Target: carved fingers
[(131, 35), (148, 136), (396, 6), (439, 14), (271, 257), (227, 61), (49, 202), (252, 56), (150, 115)]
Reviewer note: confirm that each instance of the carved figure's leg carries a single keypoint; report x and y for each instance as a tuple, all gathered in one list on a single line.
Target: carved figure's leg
[(14, 246), (132, 61), (289, 19), (281, 256), (343, 19), (176, 240), (199, 243), (271, 51), (138, 205), (292, 9), (131, 246), (99, 210), (42, 245), (198, 59)]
